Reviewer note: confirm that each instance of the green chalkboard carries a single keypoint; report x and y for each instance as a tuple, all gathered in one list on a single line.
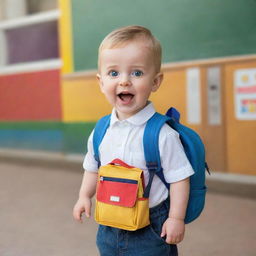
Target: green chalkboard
[(187, 29)]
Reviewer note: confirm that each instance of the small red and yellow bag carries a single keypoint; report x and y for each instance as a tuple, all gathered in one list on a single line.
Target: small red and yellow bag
[(119, 197)]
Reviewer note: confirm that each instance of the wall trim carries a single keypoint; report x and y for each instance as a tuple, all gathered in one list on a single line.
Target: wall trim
[(174, 65), (31, 67), (30, 19), (210, 61)]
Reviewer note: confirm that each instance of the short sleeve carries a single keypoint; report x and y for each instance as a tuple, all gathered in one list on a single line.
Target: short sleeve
[(174, 161), (90, 164)]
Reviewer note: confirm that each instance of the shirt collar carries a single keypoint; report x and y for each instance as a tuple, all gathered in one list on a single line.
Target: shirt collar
[(139, 118)]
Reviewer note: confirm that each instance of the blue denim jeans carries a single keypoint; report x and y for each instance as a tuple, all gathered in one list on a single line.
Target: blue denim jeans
[(142, 242)]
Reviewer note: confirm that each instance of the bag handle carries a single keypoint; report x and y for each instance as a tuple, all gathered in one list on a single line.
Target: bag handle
[(118, 161)]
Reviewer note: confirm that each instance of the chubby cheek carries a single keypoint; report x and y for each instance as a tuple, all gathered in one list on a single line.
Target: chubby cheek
[(109, 93), (144, 92)]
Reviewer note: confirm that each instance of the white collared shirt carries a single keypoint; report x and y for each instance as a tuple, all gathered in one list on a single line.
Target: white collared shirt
[(124, 140)]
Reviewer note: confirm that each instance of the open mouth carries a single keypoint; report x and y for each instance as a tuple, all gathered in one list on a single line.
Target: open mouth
[(125, 97)]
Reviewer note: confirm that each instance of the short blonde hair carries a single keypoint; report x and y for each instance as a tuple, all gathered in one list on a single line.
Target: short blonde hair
[(124, 35)]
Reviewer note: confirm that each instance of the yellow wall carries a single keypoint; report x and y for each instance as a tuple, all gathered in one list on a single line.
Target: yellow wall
[(240, 134), (82, 100), (171, 92), (230, 146)]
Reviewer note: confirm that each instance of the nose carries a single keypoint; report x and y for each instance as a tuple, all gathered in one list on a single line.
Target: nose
[(125, 81)]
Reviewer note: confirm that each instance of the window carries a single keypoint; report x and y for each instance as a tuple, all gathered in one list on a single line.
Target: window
[(28, 33)]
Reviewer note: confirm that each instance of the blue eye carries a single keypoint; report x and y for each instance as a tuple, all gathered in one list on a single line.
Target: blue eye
[(113, 73), (137, 73)]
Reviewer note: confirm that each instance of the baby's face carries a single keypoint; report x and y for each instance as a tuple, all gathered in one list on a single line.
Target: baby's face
[(127, 76)]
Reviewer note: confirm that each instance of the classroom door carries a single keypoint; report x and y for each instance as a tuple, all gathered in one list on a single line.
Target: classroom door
[(213, 117)]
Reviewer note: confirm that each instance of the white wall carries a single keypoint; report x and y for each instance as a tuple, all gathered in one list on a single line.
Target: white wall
[(15, 8), (41, 5), (1, 10)]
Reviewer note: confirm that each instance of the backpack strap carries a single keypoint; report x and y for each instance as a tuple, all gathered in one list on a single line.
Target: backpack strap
[(174, 114), (99, 133), (151, 149)]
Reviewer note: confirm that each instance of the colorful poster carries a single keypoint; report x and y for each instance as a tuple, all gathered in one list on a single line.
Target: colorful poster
[(245, 94)]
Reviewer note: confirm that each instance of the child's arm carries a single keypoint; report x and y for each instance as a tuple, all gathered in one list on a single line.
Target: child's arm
[(174, 226), (87, 191)]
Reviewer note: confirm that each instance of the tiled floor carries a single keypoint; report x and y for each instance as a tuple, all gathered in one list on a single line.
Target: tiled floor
[(36, 218)]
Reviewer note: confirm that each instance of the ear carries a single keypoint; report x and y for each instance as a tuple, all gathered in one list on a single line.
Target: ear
[(100, 82), (157, 81)]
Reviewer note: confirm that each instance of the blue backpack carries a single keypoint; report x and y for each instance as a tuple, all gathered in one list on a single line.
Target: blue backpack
[(193, 146)]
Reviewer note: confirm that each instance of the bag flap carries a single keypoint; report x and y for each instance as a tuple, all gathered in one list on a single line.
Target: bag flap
[(117, 191)]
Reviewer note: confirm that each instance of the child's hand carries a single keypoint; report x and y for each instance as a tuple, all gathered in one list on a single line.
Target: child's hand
[(174, 230), (83, 205)]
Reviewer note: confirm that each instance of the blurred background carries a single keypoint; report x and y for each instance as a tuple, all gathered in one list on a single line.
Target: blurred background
[(50, 101)]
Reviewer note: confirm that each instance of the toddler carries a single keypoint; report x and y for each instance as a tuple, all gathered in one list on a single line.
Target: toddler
[(129, 70)]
